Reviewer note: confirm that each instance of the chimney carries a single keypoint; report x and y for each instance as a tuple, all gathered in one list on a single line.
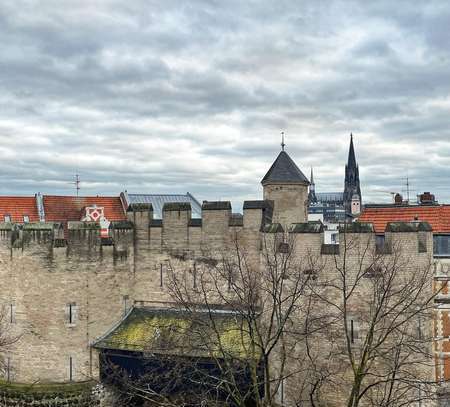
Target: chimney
[(398, 199), (427, 199)]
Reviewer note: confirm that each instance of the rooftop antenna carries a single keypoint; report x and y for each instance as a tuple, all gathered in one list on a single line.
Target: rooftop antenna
[(407, 186), (77, 183), (282, 141)]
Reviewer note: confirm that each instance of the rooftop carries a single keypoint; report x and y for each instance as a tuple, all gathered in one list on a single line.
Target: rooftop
[(60, 208), (17, 207), (284, 169), (158, 201), (438, 216), (177, 332)]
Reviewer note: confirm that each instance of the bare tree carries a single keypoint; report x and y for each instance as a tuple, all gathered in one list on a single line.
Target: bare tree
[(382, 304), (8, 336), (285, 325), (249, 313)]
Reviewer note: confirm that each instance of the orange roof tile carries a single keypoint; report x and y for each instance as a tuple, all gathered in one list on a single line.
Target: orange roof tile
[(438, 216), (70, 208), (17, 207)]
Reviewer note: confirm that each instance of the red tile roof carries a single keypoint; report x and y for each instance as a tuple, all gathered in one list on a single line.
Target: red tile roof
[(438, 216), (70, 208), (17, 207)]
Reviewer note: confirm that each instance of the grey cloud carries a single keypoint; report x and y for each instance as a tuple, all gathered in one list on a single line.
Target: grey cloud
[(170, 96)]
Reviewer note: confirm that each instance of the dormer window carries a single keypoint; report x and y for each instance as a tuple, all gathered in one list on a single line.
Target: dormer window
[(26, 219), (7, 218)]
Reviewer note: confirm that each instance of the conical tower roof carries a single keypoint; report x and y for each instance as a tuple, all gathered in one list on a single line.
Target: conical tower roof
[(351, 163), (284, 170)]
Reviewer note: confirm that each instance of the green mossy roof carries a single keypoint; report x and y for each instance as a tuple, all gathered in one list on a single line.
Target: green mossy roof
[(216, 205), (121, 224), (356, 227), (273, 228), (181, 333), (140, 207), (408, 227), (307, 227), (176, 206), (6, 226), (82, 225), (40, 226)]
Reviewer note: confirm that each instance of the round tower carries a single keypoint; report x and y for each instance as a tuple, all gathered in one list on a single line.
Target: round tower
[(287, 187)]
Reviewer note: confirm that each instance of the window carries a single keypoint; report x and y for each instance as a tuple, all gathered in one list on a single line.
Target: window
[(8, 369), (70, 369), (71, 314), (26, 219), (12, 314), (382, 245), (352, 328), (194, 276), (125, 300), (161, 280), (422, 242), (441, 245), (7, 218)]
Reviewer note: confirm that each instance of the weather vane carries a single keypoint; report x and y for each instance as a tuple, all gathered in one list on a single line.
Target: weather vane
[(282, 141)]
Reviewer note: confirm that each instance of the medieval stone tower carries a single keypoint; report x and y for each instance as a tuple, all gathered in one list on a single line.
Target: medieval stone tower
[(287, 187), (352, 187)]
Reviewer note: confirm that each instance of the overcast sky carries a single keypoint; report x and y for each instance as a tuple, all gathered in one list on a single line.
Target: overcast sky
[(173, 96)]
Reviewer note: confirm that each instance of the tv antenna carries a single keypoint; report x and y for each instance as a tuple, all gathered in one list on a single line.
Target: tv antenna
[(77, 183)]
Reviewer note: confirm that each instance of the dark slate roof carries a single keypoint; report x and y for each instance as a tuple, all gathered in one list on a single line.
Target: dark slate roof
[(284, 170), (158, 201)]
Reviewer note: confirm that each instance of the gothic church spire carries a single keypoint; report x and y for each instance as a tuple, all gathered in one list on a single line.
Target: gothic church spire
[(352, 185)]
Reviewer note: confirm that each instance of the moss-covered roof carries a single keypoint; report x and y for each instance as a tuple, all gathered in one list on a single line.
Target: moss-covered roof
[(176, 332), (176, 206), (140, 207), (121, 224), (273, 228), (262, 204), (356, 227), (6, 226), (216, 205), (82, 225), (408, 227), (307, 227), (40, 226)]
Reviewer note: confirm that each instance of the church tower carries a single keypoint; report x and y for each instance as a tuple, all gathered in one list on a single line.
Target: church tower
[(287, 187), (352, 189)]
